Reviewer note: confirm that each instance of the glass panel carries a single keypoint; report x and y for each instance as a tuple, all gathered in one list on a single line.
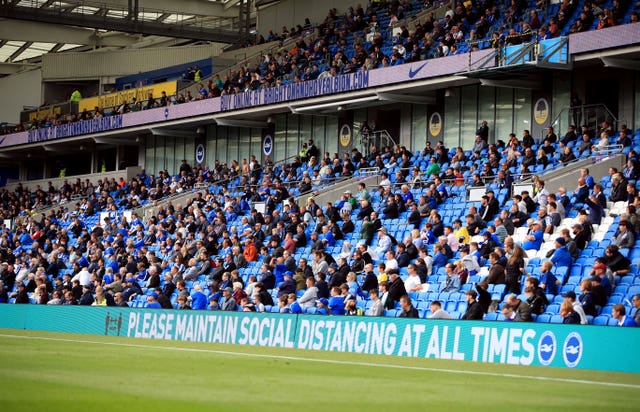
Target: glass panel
[(291, 139), (232, 145), (318, 129), (159, 155), (256, 143), (172, 147), (190, 151), (419, 127), (306, 133), (486, 110), (359, 116), (149, 160), (331, 138), (521, 110), (504, 113), (221, 144), (469, 119), (279, 140), (561, 100), (245, 145), (452, 118), (212, 155)]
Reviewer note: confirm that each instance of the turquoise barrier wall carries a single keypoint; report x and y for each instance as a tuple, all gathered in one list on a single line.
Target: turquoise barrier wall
[(564, 346)]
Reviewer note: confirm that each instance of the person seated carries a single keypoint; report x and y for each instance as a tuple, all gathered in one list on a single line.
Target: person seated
[(534, 239)]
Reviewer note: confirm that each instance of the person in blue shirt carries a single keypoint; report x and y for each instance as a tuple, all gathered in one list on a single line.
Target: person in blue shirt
[(561, 257), (152, 302), (548, 281), (588, 179), (534, 239), (336, 302), (199, 300), (620, 314), (327, 237), (600, 270), (439, 258), (294, 305), (322, 306)]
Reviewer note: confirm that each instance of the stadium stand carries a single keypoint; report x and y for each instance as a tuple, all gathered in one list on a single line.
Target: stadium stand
[(489, 230)]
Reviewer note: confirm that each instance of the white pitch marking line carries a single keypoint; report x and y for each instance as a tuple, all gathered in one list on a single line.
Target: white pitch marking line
[(331, 361)]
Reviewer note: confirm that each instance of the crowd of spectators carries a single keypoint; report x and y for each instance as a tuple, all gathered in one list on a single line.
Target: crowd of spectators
[(218, 252), (363, 39)]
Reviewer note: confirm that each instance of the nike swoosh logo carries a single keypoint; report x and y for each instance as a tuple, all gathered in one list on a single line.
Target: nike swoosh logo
[(2, 141), (412, 73)]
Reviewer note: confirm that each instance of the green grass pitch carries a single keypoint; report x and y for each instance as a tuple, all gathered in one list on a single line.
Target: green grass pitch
[(42, 371)]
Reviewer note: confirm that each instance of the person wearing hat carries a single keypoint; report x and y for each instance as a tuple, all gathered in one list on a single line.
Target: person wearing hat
[(384, 242), (288, 285), (131, 289), (570, 296), (87, 296), (580, 236), (228, 303), (489, 243), (336, 277), (534, 239), (616, 262), (474, 311), (152, 301), (396, 286), (561, 257), (322, 306), (597, 290)]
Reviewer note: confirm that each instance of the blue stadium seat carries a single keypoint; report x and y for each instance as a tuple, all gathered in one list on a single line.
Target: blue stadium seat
[(544, 318), (556, 319)]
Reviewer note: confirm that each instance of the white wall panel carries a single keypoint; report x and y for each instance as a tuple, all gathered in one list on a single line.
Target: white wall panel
[(18, 90), (58, 66)]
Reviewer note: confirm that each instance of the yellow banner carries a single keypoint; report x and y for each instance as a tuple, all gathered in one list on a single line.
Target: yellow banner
[(141, 94), (44, 112)]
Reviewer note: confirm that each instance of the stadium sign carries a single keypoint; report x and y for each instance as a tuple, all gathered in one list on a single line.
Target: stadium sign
[(514, 343), (267, 145), (200, 154)]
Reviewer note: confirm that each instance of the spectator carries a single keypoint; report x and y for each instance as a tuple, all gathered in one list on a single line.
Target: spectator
[(474, 311), (437, 312), (619, 313)]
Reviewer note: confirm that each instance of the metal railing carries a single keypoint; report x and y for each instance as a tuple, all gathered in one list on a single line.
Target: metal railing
[(378, 138), (591, 115)]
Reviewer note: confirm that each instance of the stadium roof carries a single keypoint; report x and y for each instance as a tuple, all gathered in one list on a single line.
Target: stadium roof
[(31, 28)]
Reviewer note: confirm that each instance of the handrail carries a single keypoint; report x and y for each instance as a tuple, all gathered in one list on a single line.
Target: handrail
[(201, 186), (577, 115), (376, 137)]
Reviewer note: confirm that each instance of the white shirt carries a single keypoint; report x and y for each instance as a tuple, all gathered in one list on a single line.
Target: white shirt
[(84, 277), (391, 264), (412, 282)]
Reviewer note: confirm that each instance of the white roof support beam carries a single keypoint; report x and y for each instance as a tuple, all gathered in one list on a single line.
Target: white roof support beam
[(11, 68), (199, 7), (21, 30), (18, 52)]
